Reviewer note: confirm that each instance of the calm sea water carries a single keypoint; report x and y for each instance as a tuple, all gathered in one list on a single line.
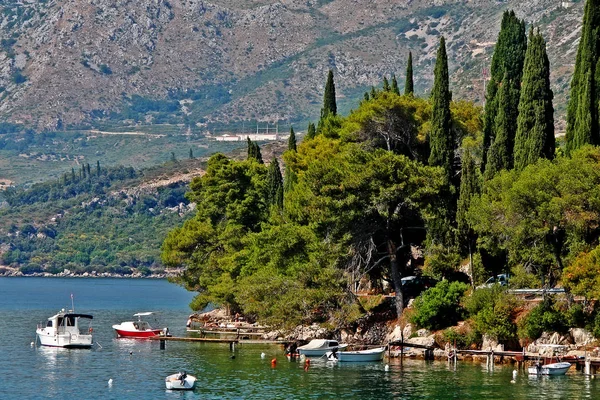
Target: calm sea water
[(138, 367)]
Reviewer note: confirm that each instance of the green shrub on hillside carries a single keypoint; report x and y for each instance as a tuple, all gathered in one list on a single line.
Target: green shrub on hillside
[(545, 317), (439, 307)]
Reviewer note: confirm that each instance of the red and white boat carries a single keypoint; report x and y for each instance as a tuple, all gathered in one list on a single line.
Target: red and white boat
[(140, 328)]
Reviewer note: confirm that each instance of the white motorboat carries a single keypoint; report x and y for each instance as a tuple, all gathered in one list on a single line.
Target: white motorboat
[(66, 329), (139, 329), (559, 368), (318, 347), (180, 381), (357, 356)]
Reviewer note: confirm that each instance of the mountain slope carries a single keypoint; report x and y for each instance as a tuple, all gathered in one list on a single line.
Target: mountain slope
[(67, 62)]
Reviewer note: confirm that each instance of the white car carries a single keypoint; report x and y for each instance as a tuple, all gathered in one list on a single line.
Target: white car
[(501, 280)]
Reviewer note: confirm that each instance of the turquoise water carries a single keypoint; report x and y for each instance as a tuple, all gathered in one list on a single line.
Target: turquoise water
[(138, 367)]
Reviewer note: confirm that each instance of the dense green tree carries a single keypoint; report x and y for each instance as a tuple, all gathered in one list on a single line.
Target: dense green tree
[(395, 88), (230, 205), (373, 92), (582, 112), (542, 215), (292, 140), (409, 85), (507, 62), (441, 140), (535, 123)]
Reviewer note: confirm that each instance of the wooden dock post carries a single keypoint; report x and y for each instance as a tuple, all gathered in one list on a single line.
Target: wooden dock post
[(162, 344), (588, 365)]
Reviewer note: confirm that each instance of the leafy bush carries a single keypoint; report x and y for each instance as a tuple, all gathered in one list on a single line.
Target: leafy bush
[(493, 311), (545, 317), (439, 307), (462, 337)]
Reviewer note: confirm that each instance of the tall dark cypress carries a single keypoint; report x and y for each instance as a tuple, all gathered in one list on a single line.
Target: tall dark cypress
[(470, 186), (292, 140), (583, 121), (395, 88), (254, 151), (274, 184), (507, 61), (500, 155), (441, 141), (409, 85), (535, 123), (386, 85), (311, 132), (329, 103)]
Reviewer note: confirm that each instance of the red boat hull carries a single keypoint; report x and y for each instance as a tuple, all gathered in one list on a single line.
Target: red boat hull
[(138, 334)]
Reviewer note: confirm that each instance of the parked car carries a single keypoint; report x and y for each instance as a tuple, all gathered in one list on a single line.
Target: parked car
[(412, 286), (501, 280)]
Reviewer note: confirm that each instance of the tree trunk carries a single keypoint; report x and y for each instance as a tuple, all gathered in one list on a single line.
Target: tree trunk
[(396, 277)]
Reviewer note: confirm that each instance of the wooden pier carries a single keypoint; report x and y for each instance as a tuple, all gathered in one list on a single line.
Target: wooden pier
[(218, 340)]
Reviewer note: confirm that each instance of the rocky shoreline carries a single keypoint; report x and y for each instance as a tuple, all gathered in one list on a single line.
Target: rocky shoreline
[(14, 272)]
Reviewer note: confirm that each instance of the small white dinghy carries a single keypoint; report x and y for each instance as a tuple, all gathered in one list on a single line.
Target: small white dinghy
[(559, 368), (357, 356), (180, 381)]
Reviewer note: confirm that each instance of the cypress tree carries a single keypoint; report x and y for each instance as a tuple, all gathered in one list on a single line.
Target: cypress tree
[(290, 179), (386, 85), (373, 92), (292, 140), (173, 159), (366, 96), (72, 174), (311, 132), (470, 187), (98, 168), (191, 154), (500, 155), (583, 110), (329, 104), (83, 171), (395, 88), (535, 123), (409, 86), (507, 61), (274, 184), (89, 173), (441, 141)]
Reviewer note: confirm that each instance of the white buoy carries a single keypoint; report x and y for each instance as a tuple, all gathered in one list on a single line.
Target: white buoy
[(386, 368), (262, 355), (32, 344), (514, 376), (110, 381)]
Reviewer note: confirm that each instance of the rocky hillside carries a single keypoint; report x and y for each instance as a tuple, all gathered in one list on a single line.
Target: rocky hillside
[(65, 62)]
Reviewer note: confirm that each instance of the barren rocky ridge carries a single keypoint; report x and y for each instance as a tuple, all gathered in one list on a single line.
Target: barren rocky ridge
[(62, 61)]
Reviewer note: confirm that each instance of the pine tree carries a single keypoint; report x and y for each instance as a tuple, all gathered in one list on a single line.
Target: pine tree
[(292, 140), (386, 85), (83, 171), (311, 131), (274, 184), (441, 141), (395, 88), (500, 155), (583, 120), (535, 123), (409, 86), (507, 61)]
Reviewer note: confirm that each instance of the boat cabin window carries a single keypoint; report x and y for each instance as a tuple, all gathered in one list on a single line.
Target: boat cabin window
[(49, 324), (333, 343), (70, 321)]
